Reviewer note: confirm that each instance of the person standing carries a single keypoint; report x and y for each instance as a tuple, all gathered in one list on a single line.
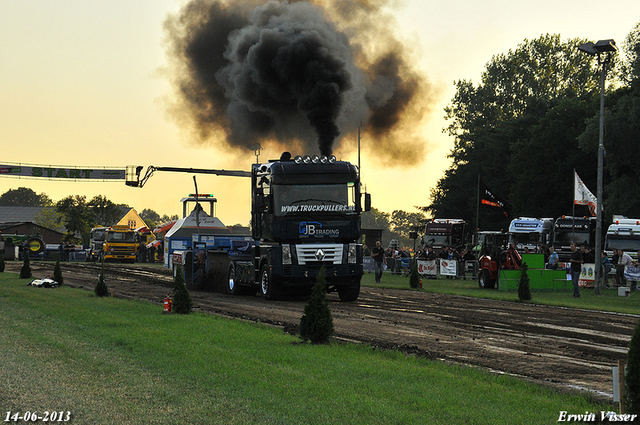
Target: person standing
[(623, 260), (553, 258), (576, 269), (379, 260)]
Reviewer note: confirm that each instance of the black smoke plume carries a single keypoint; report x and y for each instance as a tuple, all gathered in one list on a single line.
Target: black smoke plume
[(293, 74)]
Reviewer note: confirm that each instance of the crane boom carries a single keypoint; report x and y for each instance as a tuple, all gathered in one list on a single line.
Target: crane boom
[(134, 179)]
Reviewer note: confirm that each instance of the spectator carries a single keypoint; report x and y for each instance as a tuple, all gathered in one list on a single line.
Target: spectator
[(379, 260), (587, 255), (468, 260), (614, 264), (624, 260), (553, 259)]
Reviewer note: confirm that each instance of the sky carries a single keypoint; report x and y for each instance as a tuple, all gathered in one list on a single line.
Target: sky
[(82, 84)]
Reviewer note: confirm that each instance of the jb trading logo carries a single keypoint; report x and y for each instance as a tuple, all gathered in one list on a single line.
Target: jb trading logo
[(313, 228)]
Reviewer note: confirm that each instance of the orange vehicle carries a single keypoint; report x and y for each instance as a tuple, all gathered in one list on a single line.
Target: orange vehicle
[(494, 257)]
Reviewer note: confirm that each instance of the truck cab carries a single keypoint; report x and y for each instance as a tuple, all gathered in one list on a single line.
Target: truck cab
[(526, 233), (120, 244), (567, 229), (624, 234), (96, 244), (305, 215), (444, 232)]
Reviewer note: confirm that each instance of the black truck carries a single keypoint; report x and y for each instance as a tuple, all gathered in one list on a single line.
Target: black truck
[(566, 229), (305, 215)]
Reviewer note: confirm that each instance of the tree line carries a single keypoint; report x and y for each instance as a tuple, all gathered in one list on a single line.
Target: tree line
[(75, 215), (531, 121)]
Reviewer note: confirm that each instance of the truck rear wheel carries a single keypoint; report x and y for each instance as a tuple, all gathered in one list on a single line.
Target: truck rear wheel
[(485, 281), (233, 288), (270, 290)]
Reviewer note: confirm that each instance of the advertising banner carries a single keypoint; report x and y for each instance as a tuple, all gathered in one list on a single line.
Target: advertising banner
[(448, 267), (427, 268), (588, 274), (632, 273), (68, 173)]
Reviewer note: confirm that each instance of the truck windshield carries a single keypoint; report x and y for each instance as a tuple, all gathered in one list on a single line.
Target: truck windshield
[(315, 199), (627, 244), (121, 237), (568, 236), (97, 235), (437, 240)]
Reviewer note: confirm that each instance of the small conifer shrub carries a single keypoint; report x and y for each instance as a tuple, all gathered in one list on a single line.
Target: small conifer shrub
[(182, 302), (25, 272), (414, 278), (101, 288), (316, 324), (524, 291), (57, 273)]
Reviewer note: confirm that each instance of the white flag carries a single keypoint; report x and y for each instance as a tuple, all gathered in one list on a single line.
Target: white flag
[(582, 195)]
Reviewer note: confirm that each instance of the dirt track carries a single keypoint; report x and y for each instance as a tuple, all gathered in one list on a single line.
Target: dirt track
[(564, 348)]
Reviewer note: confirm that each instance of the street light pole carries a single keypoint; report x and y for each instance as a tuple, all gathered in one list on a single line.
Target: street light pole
[(602, 46)]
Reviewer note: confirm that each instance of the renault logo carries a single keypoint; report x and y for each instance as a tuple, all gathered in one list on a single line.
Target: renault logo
[(320, 255)]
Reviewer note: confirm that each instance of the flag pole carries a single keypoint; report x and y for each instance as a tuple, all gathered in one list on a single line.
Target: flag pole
[(478, 209), (573, 214)]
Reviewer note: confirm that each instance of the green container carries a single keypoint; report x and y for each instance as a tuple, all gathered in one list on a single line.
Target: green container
[(534, 261)]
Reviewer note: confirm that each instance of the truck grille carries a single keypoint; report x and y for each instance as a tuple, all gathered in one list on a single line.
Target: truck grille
[(319, 253)]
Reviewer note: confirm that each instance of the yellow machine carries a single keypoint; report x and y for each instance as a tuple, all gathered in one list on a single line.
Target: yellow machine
[(120, 244)]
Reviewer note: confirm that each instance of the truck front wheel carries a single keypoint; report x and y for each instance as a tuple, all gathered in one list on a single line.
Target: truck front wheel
[(349, 293), (270, 289)]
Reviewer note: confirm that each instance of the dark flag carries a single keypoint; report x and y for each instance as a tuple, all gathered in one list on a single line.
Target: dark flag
[(487, 197)]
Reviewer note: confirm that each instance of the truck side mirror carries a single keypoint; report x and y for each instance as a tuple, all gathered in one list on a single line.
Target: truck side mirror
[(367, 202)]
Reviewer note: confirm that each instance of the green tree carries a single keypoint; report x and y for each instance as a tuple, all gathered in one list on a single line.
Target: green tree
[(414, 277), (182, 302), (101, 289), (50, 218), (25, 272), (316, 324), (494, 123), (78, 217), (402, 223), (105, 212), (24, 197), (57, 273), (524, 289), (150, 217), (622, 120), (375, 219)]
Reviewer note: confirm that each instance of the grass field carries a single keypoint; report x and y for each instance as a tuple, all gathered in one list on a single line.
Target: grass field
[(113, 361)]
